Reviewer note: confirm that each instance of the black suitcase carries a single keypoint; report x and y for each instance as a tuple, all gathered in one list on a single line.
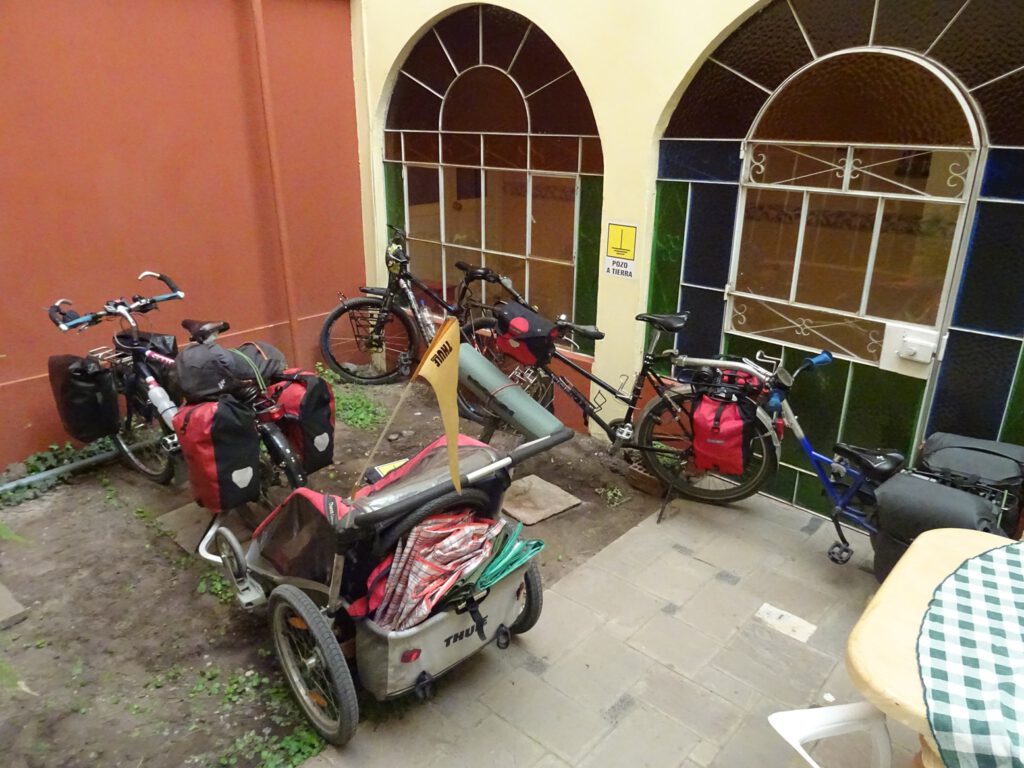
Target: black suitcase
[(976, 465), (909, 505)]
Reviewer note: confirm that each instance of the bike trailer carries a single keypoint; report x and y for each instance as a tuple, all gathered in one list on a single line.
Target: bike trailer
[(86, 396), (308, 423), (524, 335), (222, 451), (970, 463), (909, 505)]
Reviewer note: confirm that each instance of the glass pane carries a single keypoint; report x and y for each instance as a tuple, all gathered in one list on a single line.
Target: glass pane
[(914, 248), (1013, 427), (742, 346), (699, 160), (428, 64), (702, 334), (818, 400), (883, 409), (539, 62), (809, 328), (709, 236), (392, 145), (1004, 174), (990, 295), (551, 153), (913, 24), (460, 34), (505, 211), (834, 259), (462, 206), (866, 97), (667, 259), (460, 148), (906, 171), (771, 223), (961, 405), (425, 263), (484, 100), (831, 29), (551, 288), (810, 494), (424, 203), (783, 485), (510, 267), (798, 166), (593, 157), (1000, 103), (562, 107), (716, 105), (413, 106), (986, 40), (394, 195), (554, 217), (588, 254), (421, 147), (768, 48), (454, 276), (505, 151), (503, 33)]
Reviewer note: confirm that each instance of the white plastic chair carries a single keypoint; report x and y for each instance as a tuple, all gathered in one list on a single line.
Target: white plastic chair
[(799, 726)]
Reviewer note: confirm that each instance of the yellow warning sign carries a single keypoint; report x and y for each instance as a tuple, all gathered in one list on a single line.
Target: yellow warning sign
[(621, 241)]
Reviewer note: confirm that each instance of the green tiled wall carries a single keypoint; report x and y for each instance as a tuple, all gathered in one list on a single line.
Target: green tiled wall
[(394, 194), (588, 254)]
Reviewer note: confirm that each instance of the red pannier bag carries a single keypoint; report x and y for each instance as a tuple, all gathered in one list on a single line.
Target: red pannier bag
[(222, 451), (722, 432), (308, 404), (524, 335)]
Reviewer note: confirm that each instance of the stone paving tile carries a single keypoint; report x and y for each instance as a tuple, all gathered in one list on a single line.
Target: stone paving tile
[(634, 550), (566, 727), (794, 595), (550, 761), (420, 736), (710, 716), (673, 576), (622, 605), (644, 737), (493, 743), (598, 670), (756, 743), (834, 628), (739, 555), (11, 611), (562, 625), (703, 754), (718, 608), (728, 687), (774, 664), (673, 643)]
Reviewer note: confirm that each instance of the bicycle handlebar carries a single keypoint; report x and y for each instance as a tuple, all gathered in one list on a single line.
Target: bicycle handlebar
[(66, 319)]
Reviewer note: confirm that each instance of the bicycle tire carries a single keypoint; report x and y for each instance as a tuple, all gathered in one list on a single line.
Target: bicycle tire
[(140, 443), (539, 385), (350, 354), (659, 428)]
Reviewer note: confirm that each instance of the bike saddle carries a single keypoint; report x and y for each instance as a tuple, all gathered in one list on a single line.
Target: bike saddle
[(200, 330), (669, 323), (876, 465)]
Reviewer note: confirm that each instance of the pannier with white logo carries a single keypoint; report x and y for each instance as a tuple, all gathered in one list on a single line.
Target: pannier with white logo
[(308, 423)]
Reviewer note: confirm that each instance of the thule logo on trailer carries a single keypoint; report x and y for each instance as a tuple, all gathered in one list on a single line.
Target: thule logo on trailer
[(468, 632), (439, 357)]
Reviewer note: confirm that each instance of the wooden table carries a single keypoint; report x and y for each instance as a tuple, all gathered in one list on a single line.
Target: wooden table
[(881, 654)]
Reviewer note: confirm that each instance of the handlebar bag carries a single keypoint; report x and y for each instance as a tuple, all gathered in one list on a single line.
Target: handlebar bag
[(308, 423), (85, 395), (524, 335), (222, 451), (723, 430)]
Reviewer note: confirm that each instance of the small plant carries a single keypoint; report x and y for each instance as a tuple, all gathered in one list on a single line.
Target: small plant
[(612, 495), (213, 583), (358, 410), (53, 457), (6, 534)]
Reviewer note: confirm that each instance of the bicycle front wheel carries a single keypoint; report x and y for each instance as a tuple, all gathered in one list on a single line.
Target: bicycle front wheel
[(363, 344), (140, 443), (665, 442)]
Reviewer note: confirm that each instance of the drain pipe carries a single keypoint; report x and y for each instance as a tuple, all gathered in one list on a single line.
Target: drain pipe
[(64, 469)]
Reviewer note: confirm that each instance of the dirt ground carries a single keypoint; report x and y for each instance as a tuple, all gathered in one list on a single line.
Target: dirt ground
[(133, 653)]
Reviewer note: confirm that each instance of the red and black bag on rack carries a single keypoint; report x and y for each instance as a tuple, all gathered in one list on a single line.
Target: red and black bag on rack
[(524, 335), (723, 429), (308, 423), (222, 450)]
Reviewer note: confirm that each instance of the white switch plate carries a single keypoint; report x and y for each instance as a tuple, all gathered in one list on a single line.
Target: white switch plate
[(909, 349)]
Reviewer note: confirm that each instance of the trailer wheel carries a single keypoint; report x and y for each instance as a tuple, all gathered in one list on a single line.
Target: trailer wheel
[(534, 590)]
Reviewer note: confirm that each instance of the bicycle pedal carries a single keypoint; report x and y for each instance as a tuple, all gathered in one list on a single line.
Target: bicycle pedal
[(840, 553)]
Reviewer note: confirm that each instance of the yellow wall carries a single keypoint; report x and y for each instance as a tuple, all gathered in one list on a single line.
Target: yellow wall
[(633, 58)]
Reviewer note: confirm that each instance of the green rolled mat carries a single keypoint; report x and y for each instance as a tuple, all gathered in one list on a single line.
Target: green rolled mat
[(513, 554)]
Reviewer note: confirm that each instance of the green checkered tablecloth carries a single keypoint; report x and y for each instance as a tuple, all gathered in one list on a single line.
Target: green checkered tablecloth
[(971, 657)]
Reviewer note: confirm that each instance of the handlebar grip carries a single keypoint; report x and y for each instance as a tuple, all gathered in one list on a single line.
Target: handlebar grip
[(171, 284), (822, 358), (54, 313), (463, 266)]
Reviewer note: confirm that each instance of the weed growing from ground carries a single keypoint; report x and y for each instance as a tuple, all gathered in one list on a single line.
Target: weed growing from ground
[(612, 495), (213, 583), (53, 457), (351, 404)]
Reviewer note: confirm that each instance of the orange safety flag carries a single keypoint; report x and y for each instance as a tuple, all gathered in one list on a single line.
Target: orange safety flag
[(440, 367)]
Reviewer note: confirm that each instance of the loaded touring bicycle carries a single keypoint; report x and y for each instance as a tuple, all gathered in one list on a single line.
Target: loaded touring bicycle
[(320, 563)]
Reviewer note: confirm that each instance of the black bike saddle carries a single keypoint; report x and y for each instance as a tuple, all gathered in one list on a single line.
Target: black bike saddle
[(877, 465), (200, 330), (668, 323)]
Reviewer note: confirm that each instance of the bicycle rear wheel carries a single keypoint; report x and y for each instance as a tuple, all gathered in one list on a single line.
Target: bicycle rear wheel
[(665, 440), (140, 443), (365, 345)]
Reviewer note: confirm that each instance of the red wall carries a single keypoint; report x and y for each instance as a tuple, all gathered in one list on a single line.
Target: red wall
[(132, 137)]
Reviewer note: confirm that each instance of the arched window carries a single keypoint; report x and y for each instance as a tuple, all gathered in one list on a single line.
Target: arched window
[(492, 157)]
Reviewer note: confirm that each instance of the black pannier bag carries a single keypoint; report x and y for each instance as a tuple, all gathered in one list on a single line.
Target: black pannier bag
[(969, 462), (909, 505), (524, 335), (85, 395), (205, 371)]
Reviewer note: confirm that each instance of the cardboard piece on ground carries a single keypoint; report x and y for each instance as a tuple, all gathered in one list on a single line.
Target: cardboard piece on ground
[(11, 611), (531, 499), (186, 525)]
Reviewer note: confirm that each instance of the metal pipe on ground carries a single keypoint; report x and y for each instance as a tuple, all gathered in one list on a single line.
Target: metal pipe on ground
[(64, 469)]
